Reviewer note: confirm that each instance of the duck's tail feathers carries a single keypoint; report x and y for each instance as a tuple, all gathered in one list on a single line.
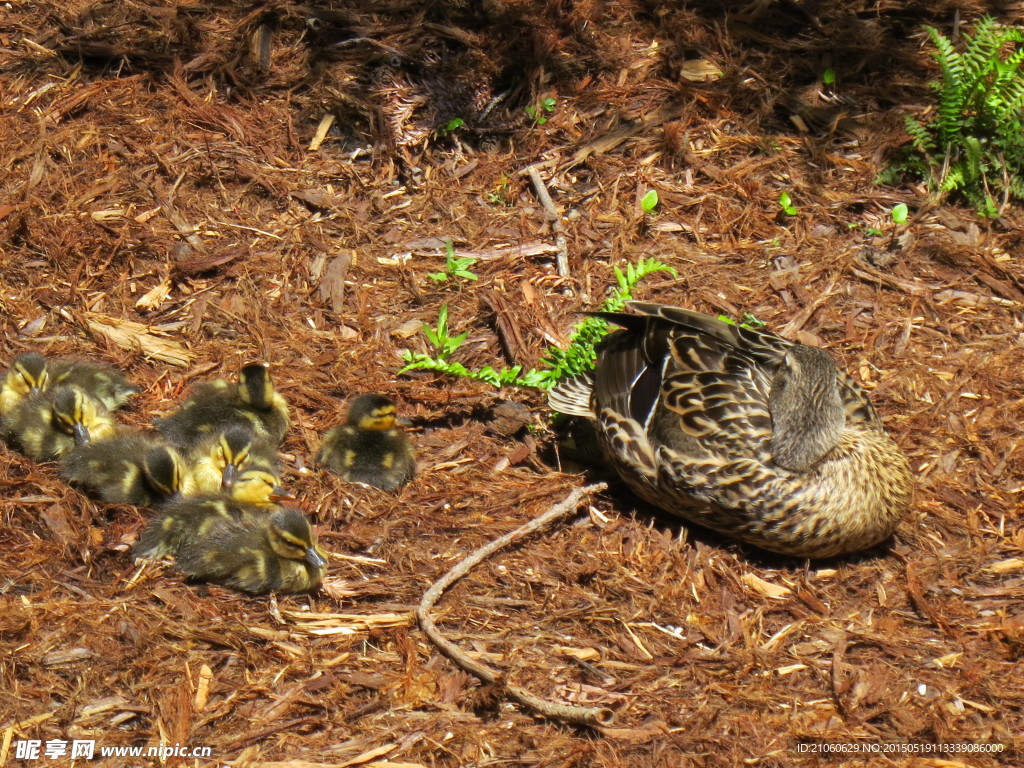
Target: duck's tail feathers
[(572, 396)]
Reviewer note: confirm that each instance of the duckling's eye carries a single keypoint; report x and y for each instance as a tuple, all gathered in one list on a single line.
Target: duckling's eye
[(289, 546)]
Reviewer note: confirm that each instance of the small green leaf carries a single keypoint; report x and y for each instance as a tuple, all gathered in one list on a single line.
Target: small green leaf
[(454, 123), (899, 213), (439, 277), (549, 103), (828, 77), (649, 201)]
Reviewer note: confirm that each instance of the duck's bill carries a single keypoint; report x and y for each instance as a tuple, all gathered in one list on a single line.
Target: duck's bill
[(228, 477), (278, 493), (81, 433), (314, 558)]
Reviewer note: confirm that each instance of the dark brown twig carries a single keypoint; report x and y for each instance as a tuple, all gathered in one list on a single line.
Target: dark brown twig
[(563, 712)]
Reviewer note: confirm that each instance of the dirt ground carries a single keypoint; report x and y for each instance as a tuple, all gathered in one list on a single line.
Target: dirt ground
[(189, 187)]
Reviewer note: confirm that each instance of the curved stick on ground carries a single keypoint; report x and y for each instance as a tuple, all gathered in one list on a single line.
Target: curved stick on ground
[(563, 712)]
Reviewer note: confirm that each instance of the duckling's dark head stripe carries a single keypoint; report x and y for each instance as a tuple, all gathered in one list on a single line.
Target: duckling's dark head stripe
[(255, 387)]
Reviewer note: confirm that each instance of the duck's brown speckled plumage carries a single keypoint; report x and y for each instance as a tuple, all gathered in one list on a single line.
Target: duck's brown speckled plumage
[(742, 431)]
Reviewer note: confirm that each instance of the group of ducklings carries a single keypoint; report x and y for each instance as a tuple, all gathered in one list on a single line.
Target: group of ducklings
[(211, 470)]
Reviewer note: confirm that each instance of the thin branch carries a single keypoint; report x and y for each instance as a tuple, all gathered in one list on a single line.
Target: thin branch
[(562, 256), (563, 712)]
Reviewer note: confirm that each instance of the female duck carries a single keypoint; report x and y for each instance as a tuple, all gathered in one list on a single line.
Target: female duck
[(742, 431)]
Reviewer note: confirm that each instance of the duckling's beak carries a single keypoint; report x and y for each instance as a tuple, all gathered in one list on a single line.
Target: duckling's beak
[(81, 433), (34, 390), (277, 493), (228, 477), (402, 421), (314, 558)]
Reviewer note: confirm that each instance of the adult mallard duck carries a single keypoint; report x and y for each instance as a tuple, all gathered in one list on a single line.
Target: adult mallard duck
[(742, 431), (27, 375), (253, 403), (128, 468), (252, 548), (370, 448), (48, 424)]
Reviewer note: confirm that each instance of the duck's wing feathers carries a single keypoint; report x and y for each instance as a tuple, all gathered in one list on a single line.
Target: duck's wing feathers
[(691, 386), (761, 347)]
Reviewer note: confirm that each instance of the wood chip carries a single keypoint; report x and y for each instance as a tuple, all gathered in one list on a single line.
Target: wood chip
[(128, 334)]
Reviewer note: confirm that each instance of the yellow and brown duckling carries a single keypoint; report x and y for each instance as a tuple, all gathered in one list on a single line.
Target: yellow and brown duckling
[(742, 431), (370, 448), (218, 460), (255, 488), (268, 551), (48, 424), (129, 468), (255, 549), (28, 375), (214, 406), (102, 382)]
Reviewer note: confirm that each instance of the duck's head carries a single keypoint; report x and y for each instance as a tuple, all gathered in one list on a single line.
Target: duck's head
[(28, 374), (372, 411), (230, 454), (258, 485), (255, 387), (80, 415), (166, 471), (291, 537), (806, 406)]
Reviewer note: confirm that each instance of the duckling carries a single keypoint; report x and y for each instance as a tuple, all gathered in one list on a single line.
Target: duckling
[(218, 460), (270, 551), (27, 375), (252, 549), (254, 489), (742, 431), (129, 468), (101, 381), (370, 448), (49, 424), (253, 403)]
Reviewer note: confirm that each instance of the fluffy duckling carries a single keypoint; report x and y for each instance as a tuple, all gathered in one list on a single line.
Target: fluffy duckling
[(129, 468), (370, 448), (101, 381), (254, 489), (213, 406), (27, 375), (218, 460), (742, 431), (253, 548), (49, 424), (268, 551)]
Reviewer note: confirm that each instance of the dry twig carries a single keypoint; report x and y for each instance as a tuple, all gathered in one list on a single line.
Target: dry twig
[(564, 712), (562, 255)]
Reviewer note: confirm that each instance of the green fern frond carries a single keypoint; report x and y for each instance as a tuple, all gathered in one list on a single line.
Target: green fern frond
[(973, 144)]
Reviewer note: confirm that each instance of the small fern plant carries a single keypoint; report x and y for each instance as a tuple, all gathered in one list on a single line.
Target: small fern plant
[(559, 363), (974, 143)]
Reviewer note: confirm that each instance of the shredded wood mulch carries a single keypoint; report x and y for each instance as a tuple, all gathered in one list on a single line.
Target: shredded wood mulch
[(188, 188)]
